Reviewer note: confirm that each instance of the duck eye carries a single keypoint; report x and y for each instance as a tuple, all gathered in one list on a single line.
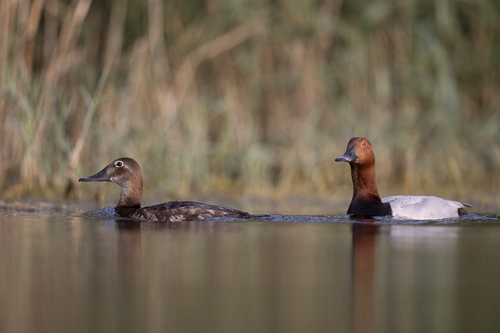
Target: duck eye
[(363, 143), (119, 164)]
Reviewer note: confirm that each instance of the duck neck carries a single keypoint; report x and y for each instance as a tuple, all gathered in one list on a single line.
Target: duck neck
[(364, 183), (131, 195)]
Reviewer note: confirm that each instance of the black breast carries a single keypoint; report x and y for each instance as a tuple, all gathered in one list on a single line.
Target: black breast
[(369, 208)]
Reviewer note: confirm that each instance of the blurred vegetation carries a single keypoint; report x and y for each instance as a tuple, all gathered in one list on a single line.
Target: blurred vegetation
[(250, 97)]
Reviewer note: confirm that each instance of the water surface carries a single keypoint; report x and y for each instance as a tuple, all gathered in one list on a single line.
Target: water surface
[(61, 271)]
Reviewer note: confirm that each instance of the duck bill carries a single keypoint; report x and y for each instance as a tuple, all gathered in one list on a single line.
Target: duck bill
[(349, 155), (101, 176)]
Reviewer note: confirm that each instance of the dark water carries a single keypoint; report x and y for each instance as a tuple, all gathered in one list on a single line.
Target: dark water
[(64, 272)]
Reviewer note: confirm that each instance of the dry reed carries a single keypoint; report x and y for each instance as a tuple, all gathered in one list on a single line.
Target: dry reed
[(250, 97)]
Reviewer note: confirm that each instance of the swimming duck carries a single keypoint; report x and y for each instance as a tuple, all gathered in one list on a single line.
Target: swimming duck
[(126, 172), (366, 200)]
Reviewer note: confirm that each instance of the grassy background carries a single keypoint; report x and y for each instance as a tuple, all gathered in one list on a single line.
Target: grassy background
[(250, 98)]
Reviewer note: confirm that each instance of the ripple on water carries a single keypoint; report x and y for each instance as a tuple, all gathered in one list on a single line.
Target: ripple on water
[(303, 218), (110, 212), (470, 219), (102, 212), (35, 206)]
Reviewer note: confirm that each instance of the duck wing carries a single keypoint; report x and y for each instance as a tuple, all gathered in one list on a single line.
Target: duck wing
[(177, 211), (414, 207)]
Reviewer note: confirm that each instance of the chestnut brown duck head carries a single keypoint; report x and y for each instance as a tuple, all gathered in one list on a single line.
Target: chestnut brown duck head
[(126, 172)]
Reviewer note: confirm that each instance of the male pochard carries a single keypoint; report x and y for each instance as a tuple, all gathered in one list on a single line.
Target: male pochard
[(126, 172), (366, 200)]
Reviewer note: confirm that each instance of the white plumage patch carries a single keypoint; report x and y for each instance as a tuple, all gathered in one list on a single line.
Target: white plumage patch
[(413, 207)]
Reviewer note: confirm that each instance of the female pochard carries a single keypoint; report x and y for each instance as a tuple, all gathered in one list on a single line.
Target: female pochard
[(366, 200), (126, 172)]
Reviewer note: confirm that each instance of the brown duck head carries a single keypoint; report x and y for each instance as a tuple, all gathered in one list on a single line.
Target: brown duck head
[(126, 172)]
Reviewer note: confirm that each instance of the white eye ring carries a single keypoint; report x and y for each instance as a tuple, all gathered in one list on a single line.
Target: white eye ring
[(119, 163)]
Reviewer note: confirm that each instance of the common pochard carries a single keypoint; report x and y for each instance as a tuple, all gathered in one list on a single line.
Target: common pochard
[(126, 172), (366, 200)]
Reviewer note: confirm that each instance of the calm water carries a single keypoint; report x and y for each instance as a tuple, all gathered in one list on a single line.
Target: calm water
[(64, 272)]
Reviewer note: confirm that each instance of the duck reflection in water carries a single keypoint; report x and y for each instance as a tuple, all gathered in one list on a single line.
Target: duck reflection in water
[(364, 236)]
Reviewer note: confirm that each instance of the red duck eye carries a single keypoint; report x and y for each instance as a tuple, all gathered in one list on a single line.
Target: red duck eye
[(363, 143)]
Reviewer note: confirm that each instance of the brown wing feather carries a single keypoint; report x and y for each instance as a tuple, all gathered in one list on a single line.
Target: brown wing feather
[(178, 211)]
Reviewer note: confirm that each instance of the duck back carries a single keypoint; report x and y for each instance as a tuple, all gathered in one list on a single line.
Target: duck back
[(416, 207), (177, 211)]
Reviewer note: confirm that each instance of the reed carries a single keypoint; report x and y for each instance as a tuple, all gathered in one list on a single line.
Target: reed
[(250, 97)]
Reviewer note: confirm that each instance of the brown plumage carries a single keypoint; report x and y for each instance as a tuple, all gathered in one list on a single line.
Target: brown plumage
[(126, 172)]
